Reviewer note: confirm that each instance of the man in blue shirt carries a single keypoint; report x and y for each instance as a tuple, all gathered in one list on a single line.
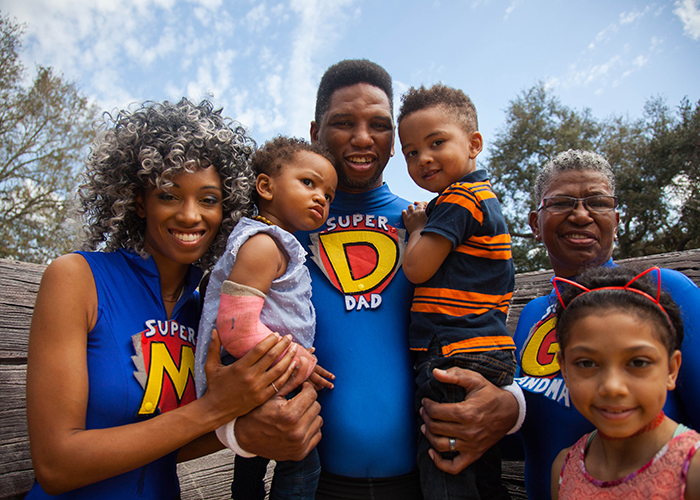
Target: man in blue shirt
[(362, 302)]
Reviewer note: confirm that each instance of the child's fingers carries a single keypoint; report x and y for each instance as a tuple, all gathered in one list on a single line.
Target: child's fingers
[(319, 382), (323, 372), (421, 205)]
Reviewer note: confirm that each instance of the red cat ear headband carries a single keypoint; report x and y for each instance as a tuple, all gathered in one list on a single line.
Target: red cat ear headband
[(627, 288)]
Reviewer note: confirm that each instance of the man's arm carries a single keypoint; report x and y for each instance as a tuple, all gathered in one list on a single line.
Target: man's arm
[(282, 429), (477, 423)]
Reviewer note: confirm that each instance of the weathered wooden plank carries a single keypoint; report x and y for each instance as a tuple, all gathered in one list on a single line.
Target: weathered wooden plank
[(513, 473), (207, 477), (210, 477)]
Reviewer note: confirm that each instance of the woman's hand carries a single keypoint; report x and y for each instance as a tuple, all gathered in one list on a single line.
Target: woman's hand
[(236, 389)]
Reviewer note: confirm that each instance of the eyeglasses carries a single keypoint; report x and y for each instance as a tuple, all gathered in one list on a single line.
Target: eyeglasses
[(565, 204)]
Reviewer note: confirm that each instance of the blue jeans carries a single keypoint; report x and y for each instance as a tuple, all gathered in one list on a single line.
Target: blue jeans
[(291, 481), (482, 479)]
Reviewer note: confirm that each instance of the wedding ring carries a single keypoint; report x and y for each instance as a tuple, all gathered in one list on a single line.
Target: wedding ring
[(453, 445), (273, 386)]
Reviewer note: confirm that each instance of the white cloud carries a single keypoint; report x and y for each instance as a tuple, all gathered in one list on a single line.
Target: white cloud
[(656, 44), (630, 17), (640, 61), (257, 18), (689, 13), (551, 83), (511, 7), (603, 36), (319, 25)]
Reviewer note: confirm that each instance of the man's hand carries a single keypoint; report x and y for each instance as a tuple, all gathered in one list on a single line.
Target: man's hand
[(477, 423), (282, 429)]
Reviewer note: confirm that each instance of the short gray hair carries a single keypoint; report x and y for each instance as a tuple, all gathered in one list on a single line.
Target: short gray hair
[(573, 159)]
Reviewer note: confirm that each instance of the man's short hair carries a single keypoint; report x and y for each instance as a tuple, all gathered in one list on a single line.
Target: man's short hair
[(347, 73), (454, 101)]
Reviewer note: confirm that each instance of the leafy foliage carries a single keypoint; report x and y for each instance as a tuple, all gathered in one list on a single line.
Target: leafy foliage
[(656, 160), (43, 129)]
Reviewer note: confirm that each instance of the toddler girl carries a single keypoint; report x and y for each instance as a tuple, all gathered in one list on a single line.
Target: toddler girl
[(260, 286), (620, 338)]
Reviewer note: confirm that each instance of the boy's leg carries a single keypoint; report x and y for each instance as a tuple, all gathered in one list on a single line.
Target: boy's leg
[(248, 478), (481, 480), (436, 484), (296, 480)]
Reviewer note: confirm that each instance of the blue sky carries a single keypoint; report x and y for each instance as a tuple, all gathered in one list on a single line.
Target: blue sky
[(262, 60)]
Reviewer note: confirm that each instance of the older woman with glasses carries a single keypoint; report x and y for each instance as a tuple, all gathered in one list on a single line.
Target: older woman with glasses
[(577, 221)]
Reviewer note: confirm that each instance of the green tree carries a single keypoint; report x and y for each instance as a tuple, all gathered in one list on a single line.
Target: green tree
[(43, 129), (538, 126), (656, 160), (671, 162)]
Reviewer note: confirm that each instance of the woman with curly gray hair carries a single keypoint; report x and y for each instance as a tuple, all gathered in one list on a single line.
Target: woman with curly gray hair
[(165, 184)]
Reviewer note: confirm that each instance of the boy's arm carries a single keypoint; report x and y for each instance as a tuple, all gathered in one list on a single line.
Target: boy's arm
[(424, 253)]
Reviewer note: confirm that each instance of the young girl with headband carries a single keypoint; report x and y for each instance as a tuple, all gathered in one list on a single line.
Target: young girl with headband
[(620, 337)]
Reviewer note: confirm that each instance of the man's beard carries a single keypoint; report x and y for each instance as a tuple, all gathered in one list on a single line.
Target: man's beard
[(346, 182)]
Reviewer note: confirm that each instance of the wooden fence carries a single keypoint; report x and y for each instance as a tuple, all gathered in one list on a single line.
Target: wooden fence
[(208, 477)]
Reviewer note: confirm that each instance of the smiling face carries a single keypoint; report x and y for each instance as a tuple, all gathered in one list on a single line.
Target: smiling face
[(298, 197), (578, 239), (618, 371), (358, 130), (183, 220), (437, 149)]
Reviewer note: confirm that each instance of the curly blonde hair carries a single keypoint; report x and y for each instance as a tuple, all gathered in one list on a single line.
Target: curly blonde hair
[(150, 145)]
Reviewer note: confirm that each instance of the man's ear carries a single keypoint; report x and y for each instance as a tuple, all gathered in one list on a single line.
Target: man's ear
[(393, 140), (264, 185), (476, 143), (534, 221), (313, 133)]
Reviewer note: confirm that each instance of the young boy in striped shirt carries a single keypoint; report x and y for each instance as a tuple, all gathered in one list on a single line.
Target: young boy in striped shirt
[(459, 256)]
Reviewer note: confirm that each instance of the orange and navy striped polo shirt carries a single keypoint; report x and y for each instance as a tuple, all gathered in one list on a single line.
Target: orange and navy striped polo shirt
[(465, 303)]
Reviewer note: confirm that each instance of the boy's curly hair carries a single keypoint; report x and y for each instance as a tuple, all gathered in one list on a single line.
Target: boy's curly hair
[(148, 146), (454, 101)]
